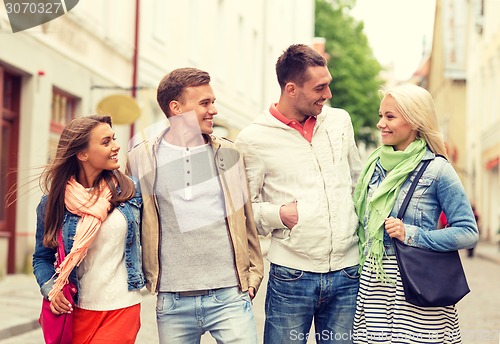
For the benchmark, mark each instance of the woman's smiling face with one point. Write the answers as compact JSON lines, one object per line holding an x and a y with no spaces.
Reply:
{"x":396,"y":131}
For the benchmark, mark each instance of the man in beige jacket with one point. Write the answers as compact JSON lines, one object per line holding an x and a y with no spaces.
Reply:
{"x":201,"y":251}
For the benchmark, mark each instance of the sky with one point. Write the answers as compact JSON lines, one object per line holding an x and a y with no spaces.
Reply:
{"x":396,"y":31}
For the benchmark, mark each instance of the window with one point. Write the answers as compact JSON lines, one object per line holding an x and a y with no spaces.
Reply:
{"x":63,"y":111}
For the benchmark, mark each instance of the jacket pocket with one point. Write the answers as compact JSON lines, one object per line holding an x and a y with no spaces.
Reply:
{"x":281,"y":233}
{"x":422,"y":186}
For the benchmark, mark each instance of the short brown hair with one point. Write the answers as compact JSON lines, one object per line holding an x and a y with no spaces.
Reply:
{"x":292,"y":64}
{"x":172,"y":85}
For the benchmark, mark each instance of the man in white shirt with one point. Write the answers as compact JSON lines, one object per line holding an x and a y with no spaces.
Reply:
{"x":302,"y":163}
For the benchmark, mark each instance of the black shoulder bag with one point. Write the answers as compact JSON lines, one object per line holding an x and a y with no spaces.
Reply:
{"x":430,"y":278}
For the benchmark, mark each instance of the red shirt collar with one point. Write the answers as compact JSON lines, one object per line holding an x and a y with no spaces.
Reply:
{"x":306,"y":131}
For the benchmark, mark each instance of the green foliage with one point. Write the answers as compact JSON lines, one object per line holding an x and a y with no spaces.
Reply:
{"x":354,"y":69}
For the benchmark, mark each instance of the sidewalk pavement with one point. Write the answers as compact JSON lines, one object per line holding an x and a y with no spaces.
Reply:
{"x":488,"y":251}
{"x":20,"y":299}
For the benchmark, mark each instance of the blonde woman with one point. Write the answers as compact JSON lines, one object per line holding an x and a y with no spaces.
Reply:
{"x":410,"y":135}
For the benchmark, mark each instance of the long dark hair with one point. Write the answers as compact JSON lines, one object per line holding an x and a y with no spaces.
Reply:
{"x":74,"y":139}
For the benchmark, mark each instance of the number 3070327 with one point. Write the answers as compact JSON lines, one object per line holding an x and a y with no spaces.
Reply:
{"x":34,"y":7}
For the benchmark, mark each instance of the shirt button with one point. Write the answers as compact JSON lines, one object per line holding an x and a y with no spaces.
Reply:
{"x":188,"y":172}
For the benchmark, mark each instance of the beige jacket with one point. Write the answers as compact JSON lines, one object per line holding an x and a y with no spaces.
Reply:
{"x":243,"y":233}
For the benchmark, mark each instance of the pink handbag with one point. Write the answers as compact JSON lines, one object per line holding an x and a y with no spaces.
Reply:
{"x":58,"y":328}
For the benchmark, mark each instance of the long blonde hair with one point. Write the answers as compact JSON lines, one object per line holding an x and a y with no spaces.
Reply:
{"x":417,"y":106}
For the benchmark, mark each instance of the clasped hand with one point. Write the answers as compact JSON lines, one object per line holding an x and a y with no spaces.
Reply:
{"x":59,"y":304}
{"x":395,"y":228}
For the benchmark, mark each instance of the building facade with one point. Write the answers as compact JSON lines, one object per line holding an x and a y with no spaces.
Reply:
{"x":464,"y":80}
{"x":447,"y":80}
{"x":483,"y":112}
{"x":64,"y":68}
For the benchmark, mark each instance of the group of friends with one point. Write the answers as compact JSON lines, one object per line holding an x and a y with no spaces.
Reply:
{"x":185,"y":216}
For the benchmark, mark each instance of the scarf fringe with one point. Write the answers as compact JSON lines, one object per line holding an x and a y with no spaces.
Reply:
{"x":374,"y":258}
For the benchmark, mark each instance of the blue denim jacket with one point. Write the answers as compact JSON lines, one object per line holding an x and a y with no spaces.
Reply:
{"x":439,"y":189}
{"x":44,"y":258}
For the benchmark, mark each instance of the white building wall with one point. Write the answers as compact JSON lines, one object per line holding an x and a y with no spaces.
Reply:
{"x":483,"y":112}
{"x":236,"y":41}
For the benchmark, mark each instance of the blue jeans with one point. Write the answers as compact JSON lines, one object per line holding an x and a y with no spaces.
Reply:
{"x":294,"y":298}
{"x":226,"y":313}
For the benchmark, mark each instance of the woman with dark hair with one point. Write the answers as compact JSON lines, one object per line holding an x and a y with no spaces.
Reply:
{"x":96,"y":209}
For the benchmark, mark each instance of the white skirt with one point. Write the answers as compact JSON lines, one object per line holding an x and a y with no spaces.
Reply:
{"x":383,"y":315}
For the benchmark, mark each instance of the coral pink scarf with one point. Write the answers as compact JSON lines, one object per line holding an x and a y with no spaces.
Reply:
{"x":82,"y":203}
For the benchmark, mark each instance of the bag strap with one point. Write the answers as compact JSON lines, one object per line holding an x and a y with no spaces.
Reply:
{"x":60,"y":249}
{"x":406,"y":201}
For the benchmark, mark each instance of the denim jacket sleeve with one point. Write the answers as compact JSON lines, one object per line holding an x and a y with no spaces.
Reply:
{"x":133,"y":257}
{"x":44,"y":258}
{"x":443,"y":191}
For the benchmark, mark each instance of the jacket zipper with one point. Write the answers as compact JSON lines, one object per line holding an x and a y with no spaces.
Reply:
{"x":327,"y":201}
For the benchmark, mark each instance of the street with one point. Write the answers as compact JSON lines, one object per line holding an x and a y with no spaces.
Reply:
{"x":478,"y":311}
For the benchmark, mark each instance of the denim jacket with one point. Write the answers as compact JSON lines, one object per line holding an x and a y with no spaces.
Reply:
{"x":439,"y":189}
{"x":44,"y":258}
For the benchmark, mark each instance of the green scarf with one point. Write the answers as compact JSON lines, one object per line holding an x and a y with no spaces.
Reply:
{"x":398,"y":164}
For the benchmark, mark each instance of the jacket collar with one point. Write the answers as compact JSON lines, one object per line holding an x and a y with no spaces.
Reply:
{"x":267,"y":119}
{"x":211,"y":139}
{"x":428,"y":154}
